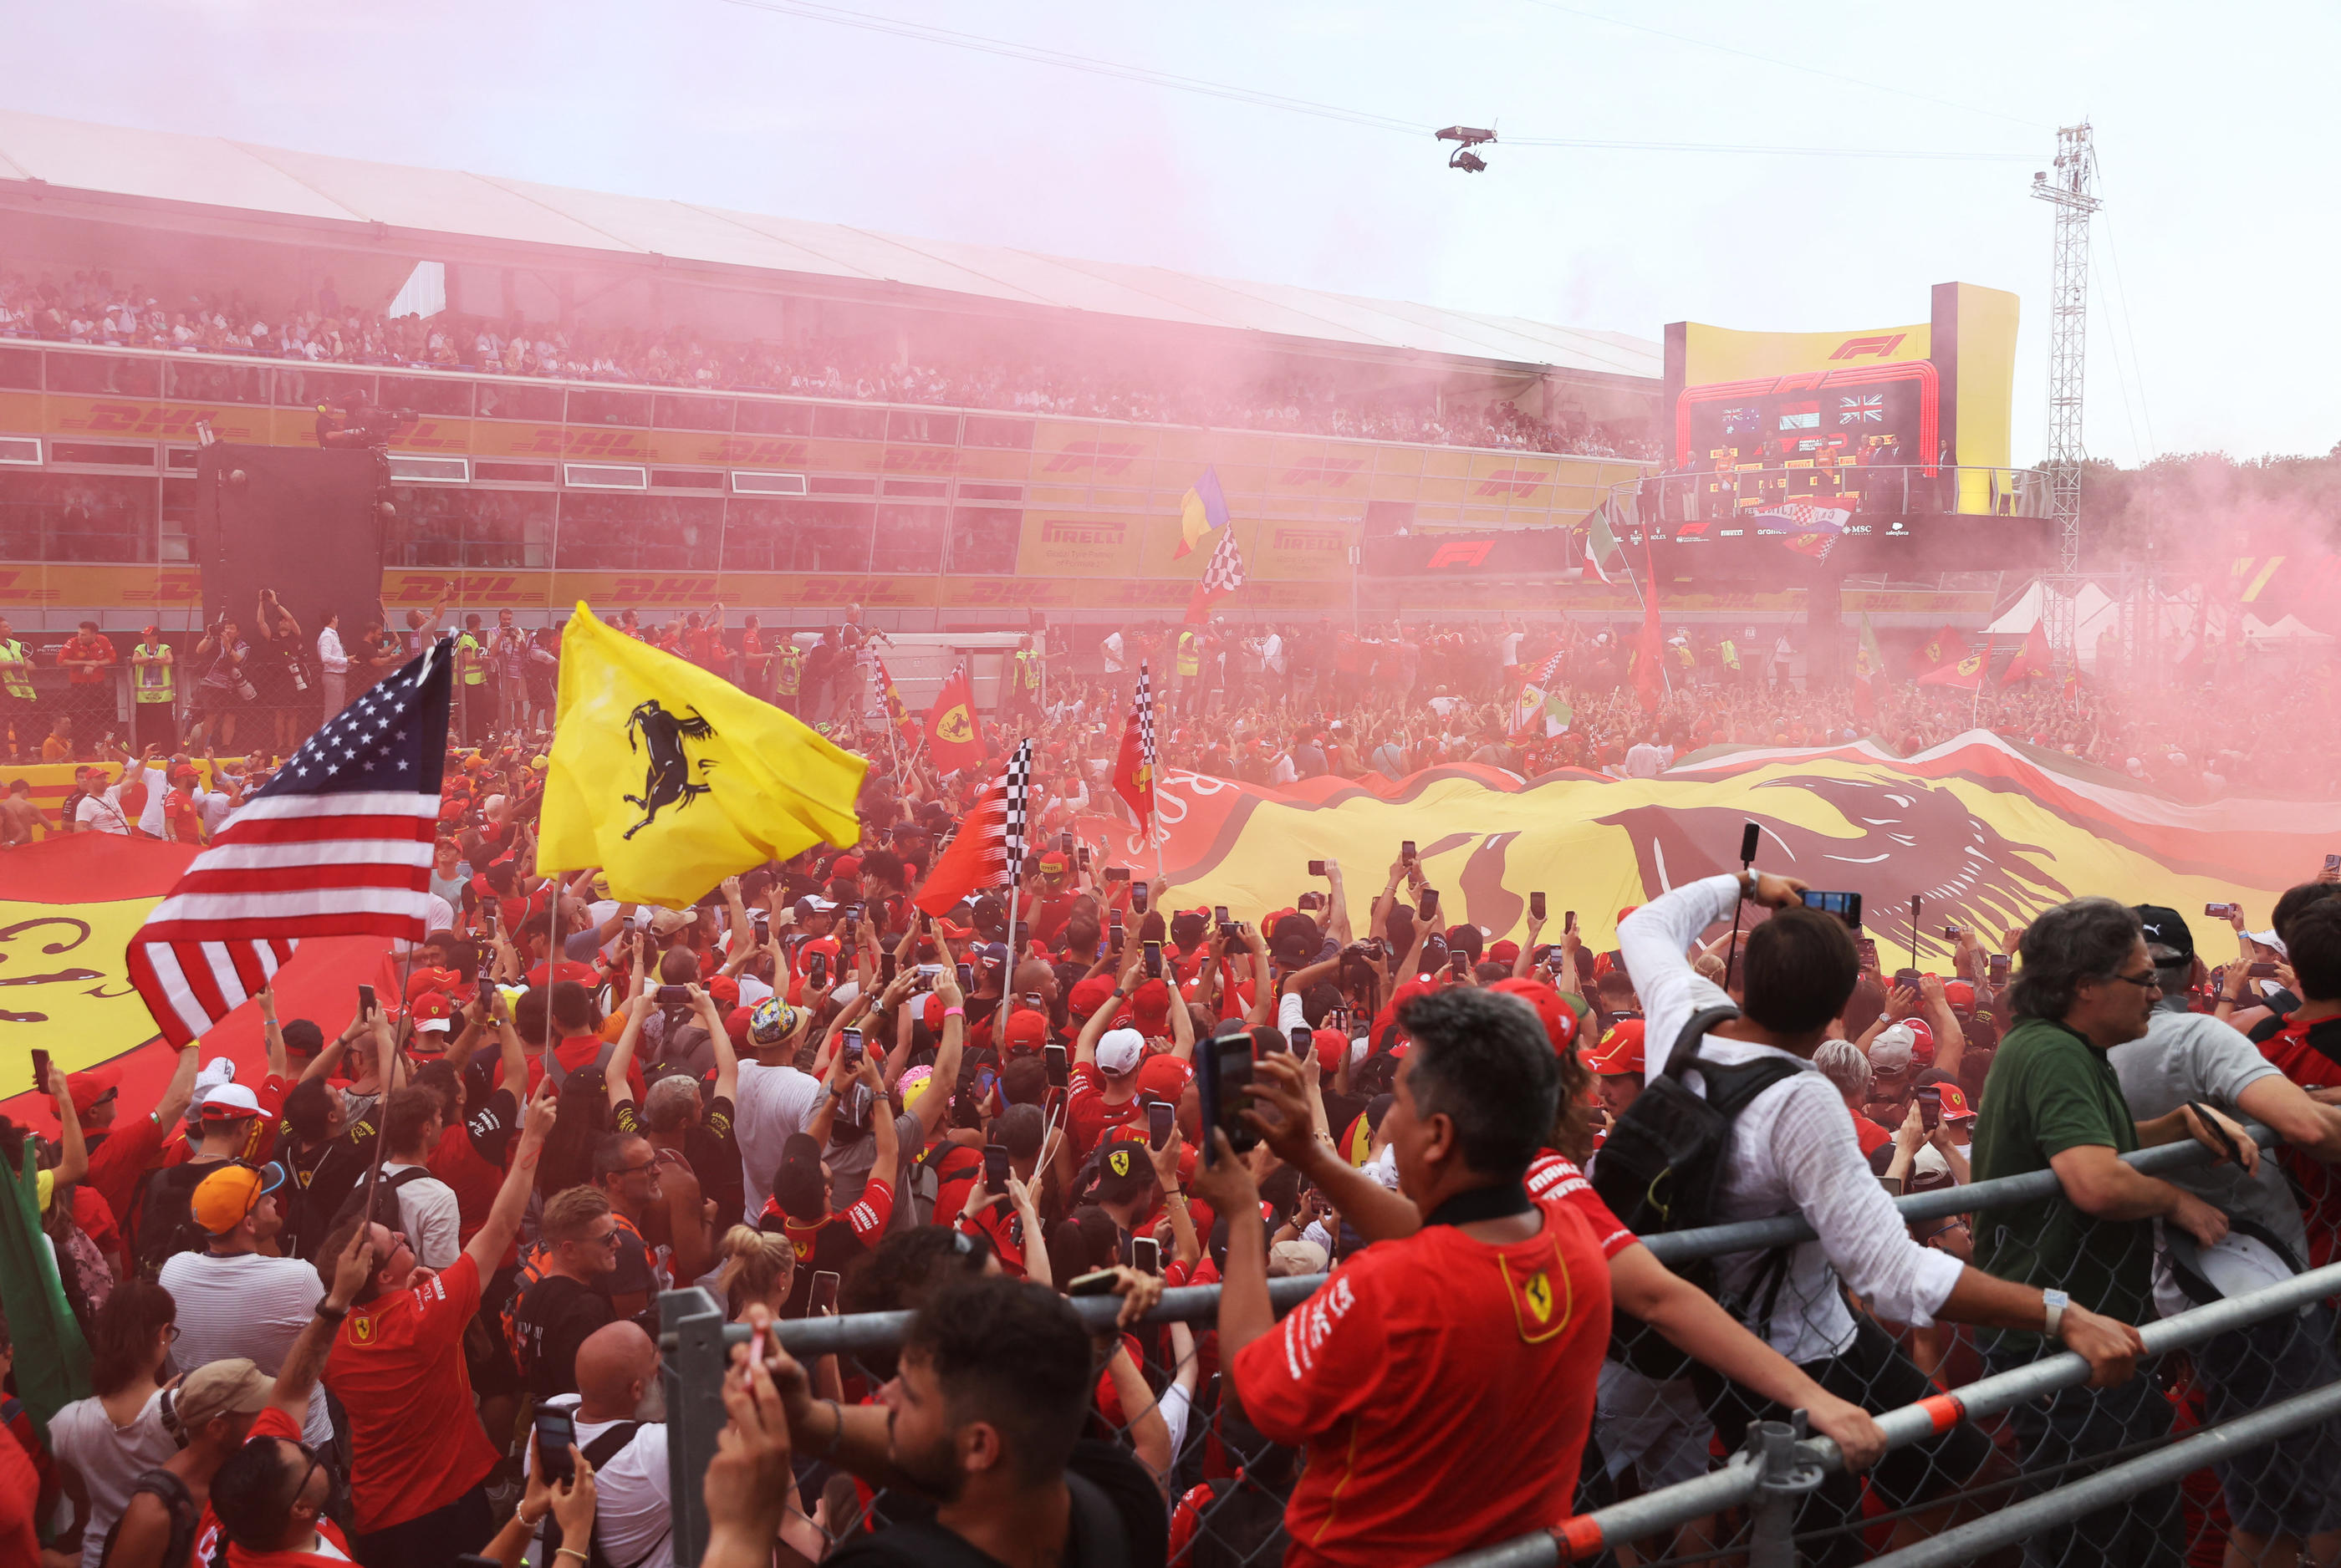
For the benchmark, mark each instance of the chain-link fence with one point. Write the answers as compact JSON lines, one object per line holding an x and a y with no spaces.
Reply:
{"x":2238,"y":1400}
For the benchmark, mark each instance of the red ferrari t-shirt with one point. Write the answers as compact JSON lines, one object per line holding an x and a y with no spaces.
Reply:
{"x":1087,"y":1117}
{"x":2310,"y":1056}
{"x":1554,"y":1177}
{"x":397,"y":1366}
{"x":1442,"y":1388}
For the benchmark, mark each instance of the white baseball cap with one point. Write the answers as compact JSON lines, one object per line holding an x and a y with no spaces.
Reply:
{"x":1119,"y":1051}
{"x":1893,"y":1049}
{"x":228,"y":1103}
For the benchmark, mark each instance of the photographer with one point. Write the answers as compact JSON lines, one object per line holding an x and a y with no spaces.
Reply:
{"x":224,"y":690}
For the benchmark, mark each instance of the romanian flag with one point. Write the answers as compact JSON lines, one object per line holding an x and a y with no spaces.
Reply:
{"x":1201,"y":509}
{"x":672,"y":778}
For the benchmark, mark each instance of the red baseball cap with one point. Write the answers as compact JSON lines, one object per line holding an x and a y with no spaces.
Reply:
{"x":431,"y":1011}
{"x":1164,"y":1075}
{"x":1955,"y":1104}
{"x":1959,"y":994}
{"x":1922,"y":1041}
{"x":1504,"y":952}
{"x":845,"y":866}
{"x":725,"y":990}
{"x":1620,"y":1050}
{"x":91,"y":1089}
{"x":1560,"y":1023}
{"x":1027,"y":1029}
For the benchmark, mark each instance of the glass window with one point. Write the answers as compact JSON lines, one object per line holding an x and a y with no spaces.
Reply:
{"x":776,"y":418}
{"x":693,"y":413}
{"x":989,"y":430}
{"x":448,"y":398}
{"x":76,"y":517}
{"x":196,"y":383}
{"x":299,"y":386}
{"x":798,"y":536}
{"x":910,"y":539}
{"x":596,"y":405}
{"x":20,"y":370}
{"x":850,"y":423}
{"x":935,"y":428}
{"x":983,"y":538}
{"x":601,"y":533}
{"x":105,"y":375}
{"x":446,"y":526}
{"x":180,"y":499}
{"x":509,"y":400}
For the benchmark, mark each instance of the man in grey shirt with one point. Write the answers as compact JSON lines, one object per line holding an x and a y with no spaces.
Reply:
{"x":2288,"y":1490}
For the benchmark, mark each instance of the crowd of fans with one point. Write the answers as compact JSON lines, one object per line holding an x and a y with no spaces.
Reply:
{"x":92,"y":307}
{"x":394,"y":1298}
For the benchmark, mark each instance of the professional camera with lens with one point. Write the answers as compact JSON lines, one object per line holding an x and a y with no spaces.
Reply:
{"x":352,"y":420}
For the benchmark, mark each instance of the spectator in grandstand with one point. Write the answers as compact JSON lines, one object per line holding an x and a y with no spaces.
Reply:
{"x":985,"y":1415}
{"x":2086,"y":985}
{"x":1791,"y":1149}
{"x":419,"y":1461}
{"x":2288,"y":1492}
{"x":1442,"y":1385}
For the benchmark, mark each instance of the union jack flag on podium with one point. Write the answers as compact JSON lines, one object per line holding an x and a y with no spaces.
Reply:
{"x":338,"y":844}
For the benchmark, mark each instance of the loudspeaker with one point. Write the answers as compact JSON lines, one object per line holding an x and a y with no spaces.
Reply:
{"x":308,"y":524}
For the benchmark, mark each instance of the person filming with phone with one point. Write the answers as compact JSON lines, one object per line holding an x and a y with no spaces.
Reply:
{"x":1442,"y":1383}
{"x":1789,"y":1149}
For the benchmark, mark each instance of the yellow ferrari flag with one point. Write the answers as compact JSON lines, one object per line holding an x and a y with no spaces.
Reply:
{"x":670,"y":779}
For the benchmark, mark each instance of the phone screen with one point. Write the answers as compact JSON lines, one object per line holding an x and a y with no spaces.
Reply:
{"x":365,"y":1001}
{"x":966,"y":976}
{"x":1153,"y":951}
{"x":886,"y":962}
{"x":1223,"y":1074}
{"x":1429,"y":905}
{"x":1536,"y":906}
{"x":823,"y":1297}
{"x":817,"y":969}
{"x":1060,"y":1074}
{"x":995,"y":1167}
{"x":1930,"y":1105}
{"x":1145,"y":1254}
{"x":556,"y":1432}
{"x":40,"y":1071}
{"x":850,"y":1047}
{"x":1161,"y":1116}
{"x":1138,"y":897}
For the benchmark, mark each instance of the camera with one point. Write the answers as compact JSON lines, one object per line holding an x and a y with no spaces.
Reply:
{"x":352,"y":422}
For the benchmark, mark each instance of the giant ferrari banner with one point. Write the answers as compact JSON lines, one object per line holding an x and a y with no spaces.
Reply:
{"x":68,"y":908}
{"x":1987,"y":834}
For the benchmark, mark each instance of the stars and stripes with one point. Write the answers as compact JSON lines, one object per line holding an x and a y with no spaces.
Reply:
{"x":338,"y":844}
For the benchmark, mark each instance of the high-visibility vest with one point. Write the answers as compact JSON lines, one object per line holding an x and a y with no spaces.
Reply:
{"x":154,"y":682}
{"x":16,"y":669}
{"x":1730,"y":655}
{"x":471,"y":661}
{"x":1028,"y":663}
{"x":786,"y":671}
{"x":1190,"y":655}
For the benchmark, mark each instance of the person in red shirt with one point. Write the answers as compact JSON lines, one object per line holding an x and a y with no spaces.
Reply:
{"x":2307,"y":1050}
{"x":419,"y":1460}
{"x":1440,"y":1384}
{"x":87,"y":654}
{"x":1103,"y":1090}
{"x":183,"y":816}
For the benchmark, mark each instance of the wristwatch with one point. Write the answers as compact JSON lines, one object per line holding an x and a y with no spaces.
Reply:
{"x":2053,"y":1304}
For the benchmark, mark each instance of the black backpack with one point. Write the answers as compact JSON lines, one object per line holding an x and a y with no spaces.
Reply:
{"x":167,"y":1223}
{"x":1661,"y":1169}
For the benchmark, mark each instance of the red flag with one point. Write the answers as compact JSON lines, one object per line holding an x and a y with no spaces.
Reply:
{"x":989,"y":846}
{"x":1964,"y":674}
{"x":952,"y":739}
{"x":1946,"y":647}
{"x":2031,"y":659}
{"x":1133,"y":769}
{"x":896,"y":713}
{"x":1649,"y":650}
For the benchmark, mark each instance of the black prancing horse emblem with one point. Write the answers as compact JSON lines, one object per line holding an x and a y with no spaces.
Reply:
{"x":668,"y":781}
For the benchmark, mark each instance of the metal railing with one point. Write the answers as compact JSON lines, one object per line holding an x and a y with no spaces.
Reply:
{"x":1756,"y":502}
{"x":1769,"y":1477}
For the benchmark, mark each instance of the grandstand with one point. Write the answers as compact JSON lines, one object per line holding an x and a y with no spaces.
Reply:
{"x":656,"y":403}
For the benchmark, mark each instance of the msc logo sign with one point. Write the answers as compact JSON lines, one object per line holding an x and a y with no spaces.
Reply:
{"x":1105,"y":456}
{"x":1513,"y":482}
{"x":1878,"y":345}
{"x":1460,"y":554}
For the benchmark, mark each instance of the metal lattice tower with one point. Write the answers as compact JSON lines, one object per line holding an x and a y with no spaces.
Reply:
{"x":2072,"y":190}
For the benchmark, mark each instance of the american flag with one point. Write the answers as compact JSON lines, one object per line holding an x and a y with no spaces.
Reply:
{"x":1224,"y":574}
{"x":338,"y":844}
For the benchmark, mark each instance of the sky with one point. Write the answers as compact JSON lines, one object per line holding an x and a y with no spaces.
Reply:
{"x":2208,"y":324}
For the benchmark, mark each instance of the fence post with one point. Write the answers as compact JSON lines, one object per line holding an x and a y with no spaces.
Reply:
{"x":1783,"y":1476}
{"x":690,"y":1367}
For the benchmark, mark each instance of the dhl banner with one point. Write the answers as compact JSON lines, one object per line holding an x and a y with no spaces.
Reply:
{"x":1990,"y":834}
{"x":68,"y":908}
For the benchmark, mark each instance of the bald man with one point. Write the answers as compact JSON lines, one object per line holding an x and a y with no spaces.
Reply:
{"x":620,"y":1408}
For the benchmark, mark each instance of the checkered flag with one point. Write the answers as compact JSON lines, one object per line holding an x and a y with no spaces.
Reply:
{"x":1015,"y":812}
{"x":1222,"y":577}
{"x":1133,"y":769}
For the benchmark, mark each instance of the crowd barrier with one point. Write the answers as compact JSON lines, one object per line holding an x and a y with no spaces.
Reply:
{"x":1758,"y":1505}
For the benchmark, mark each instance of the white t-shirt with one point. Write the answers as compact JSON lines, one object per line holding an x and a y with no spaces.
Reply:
{"x":108,"y":1458}
{"x":426,"y":1212}
{"x":631,"y":1515}
{"x":103,"y":813}
{"x":771,"y":1104}
{"x":245,"y":1304}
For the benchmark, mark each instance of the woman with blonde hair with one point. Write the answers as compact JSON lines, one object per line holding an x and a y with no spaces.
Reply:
{"x":755,"y":1267}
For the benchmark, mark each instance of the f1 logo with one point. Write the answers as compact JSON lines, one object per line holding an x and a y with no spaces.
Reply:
{"x":1464,"y":553}
{"x":1880,"y":345}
